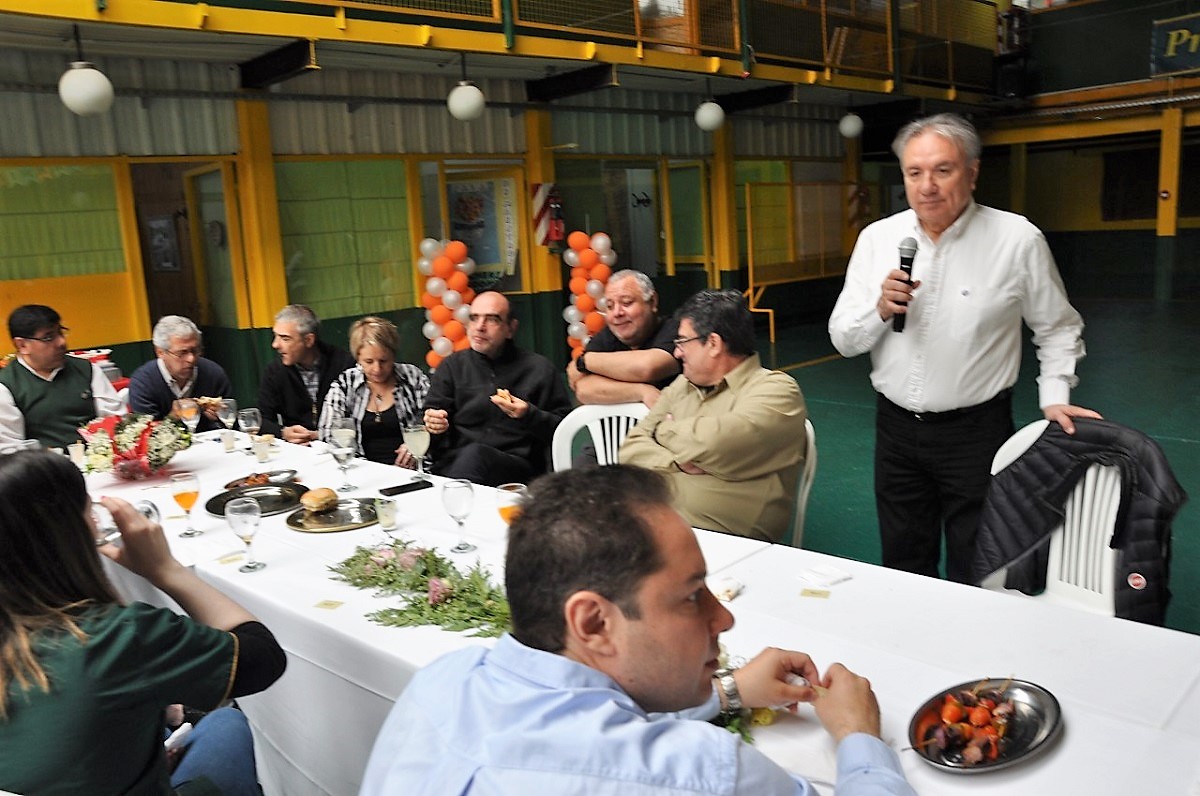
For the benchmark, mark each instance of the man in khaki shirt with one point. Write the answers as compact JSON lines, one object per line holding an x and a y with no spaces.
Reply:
{"x":730,"y":434}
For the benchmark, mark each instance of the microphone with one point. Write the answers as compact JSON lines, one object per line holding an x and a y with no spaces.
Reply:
{"x":908,"y":253}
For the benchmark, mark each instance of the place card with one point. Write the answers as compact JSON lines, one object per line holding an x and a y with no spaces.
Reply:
{"x":329,"y":605}
{"x":820,"y":594}
{"x":232,"y":558}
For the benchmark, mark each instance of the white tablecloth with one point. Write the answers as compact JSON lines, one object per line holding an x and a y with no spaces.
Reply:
{"x":1129,"y":692}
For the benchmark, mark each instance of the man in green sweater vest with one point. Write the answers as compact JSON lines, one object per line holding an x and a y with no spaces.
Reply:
{"x":45,"y":394}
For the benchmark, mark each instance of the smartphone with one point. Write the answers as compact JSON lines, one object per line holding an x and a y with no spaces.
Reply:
{"x":411,"y":486}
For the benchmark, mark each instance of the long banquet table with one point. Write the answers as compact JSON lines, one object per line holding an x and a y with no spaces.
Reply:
{"x":1130,"y":693}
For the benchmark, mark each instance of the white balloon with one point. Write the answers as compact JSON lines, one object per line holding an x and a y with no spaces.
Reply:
{"x":609,"y":258}
{"x":452,"y":299}
{"x":595,"y":288}
{"x":425,"y":265}
{"x":463,"y":314}
{"x":431,"y":248}
{"x":601,"y":243}
{"x":573,"y":298}
{"x":431,"y":330}
{"x":587,"y":339}
{"x":572,"y":315}
{"x":435,"y":285}
{"x":443,"y":347}
{"x":467,"y":266}
{"x":577,"y":330}
{"x":571,"y":257}
{"x":429,"y":315}
{"x":602,"y":304}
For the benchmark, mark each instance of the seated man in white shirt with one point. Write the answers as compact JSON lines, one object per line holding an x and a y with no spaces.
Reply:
{"x":45,"y":394}
{"x":614,"y":630}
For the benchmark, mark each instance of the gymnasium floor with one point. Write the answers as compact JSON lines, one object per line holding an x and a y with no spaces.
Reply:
{"x":1142,"y":370}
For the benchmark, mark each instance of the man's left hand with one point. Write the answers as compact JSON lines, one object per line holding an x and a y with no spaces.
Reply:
{"x":1062,"y":414}
{"x":763,"y":682}
{"x":511,"y":405}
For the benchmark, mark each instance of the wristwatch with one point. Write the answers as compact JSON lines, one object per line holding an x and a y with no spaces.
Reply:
{"x":579,"y":364}
{"x":729,"y":689}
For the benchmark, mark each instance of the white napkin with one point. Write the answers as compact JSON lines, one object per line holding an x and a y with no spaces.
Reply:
{"x":726,"y":588}
{"x":824,"y":575}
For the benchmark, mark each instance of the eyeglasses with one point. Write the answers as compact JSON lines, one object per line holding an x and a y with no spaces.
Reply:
{"x":681,"y":341}
{"x":491,"y":319}
{"x":51,"y":337}
{"x":185,"y":353}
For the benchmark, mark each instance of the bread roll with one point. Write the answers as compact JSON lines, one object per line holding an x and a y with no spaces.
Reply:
{"x":319,"y":500}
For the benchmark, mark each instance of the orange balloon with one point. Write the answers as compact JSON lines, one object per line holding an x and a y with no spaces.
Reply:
{"x":464,"y":342}
{"x":454,"y":329}
{"x":432,"y":359}
{"x":579,"y":240}
{"x":588,"y":258}
{"x":429,"y":301}
{"x":574,"y":342}
{"x":579,"y":272}
{"x":594,"y":322}
{"x":443,"y":266}
{"x":456,"y":250}
{"x":600,"y":271}
{"x":578,"y":286}
{"x":457,"y":281}
{"x":576,"y":351}
{"x":585,"y":303}
{"x":440,"y":314}
{"x":468,"y":295}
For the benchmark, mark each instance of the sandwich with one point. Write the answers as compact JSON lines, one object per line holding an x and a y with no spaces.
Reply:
{"x":318,"y":501}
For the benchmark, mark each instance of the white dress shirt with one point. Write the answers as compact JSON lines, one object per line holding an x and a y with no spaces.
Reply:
{"x":12,"y":422}
{"x":962,"y":341}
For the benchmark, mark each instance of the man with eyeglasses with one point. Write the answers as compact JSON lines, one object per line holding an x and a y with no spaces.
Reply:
{"x":45,"y":394}
{"x":492,"y":408}
{"x":179,"y":370}
{"x":730,"y":434}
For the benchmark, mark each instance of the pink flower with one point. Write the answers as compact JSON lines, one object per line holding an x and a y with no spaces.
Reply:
{"x":383,"y":555}
{"x":439,"y":591}
{"x":410,"y":558}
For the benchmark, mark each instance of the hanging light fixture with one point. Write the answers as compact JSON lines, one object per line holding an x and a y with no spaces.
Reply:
{"x":83,"y":88}
{"x":465,"y":101}
{"x":850,"y":125}
{"x":709,"y":115}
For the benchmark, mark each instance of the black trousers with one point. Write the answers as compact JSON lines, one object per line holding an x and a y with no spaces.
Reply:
{"x":931,"y":475}
{"x":483,"y":464}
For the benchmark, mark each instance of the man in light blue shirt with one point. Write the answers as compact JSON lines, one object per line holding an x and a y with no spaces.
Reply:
{"x":614,"y":634}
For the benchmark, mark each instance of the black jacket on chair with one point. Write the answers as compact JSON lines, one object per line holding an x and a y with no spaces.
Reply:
{"x":1025,"y":503}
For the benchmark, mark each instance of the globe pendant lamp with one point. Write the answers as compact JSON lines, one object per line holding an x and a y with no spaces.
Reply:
{"x":709,"y":116}
{"x":83,"y":88}
{"x":850,"y":125}
{"x":465,"y":101}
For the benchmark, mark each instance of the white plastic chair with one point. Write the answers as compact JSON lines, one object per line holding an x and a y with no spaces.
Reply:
{"x":607,"y":423}
{"x":1081,"y":565}
{"x":804,"y":484}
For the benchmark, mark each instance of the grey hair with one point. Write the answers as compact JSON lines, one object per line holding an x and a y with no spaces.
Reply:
{"x":302,"y":316}
{"x":169,"y":326}
{"x":948,"y":125}
{"x":642,"y":280}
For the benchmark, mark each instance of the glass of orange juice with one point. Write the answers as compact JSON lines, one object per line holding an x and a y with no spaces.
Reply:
{"x":508,"y":500}
{"x":185,"y":488}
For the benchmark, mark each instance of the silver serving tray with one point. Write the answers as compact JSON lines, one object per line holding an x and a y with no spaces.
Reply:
{"x":350,"y":513}
{"x":272,"y":498}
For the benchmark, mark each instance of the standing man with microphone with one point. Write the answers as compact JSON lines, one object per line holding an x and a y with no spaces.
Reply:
{"x":944,"y":336}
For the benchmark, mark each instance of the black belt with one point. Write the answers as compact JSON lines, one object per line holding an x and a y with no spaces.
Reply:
{"x":1002,"y":397}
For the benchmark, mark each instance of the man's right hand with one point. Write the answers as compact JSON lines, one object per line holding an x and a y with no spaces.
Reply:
{"x":848,"y":704}
{"x":895,"y":293}
{"x":437,"y":421}
{"x":298,"y":435}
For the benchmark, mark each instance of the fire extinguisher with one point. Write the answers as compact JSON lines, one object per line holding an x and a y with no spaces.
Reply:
{"x":558,"y":227}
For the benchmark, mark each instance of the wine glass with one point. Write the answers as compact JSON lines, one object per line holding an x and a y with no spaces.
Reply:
{"x":458,"y":498}
{"x":243,"y":514}
{"x":508,"y":501}
{"x":227,"y":413}
{"x":416,"y":438}
{"x":188,"y":411}
{"x":343,"y":450}
{"x":344,"y":433}
{"x":185,"y":488}
{"x":251,"y":421}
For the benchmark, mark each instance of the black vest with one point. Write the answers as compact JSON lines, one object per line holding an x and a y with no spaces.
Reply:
{"x":53,"y":410}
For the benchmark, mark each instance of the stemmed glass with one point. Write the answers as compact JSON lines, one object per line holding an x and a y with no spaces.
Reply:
{"x":251,"y":421}
{"x":185,"y":488}
{"x":188,"y":411}
{"x":227,"y":413}
{"x":458,"y":498}
{"x":416,"y":439}
{"x":343,"y":449}
{"x":508,"y":501}
{"x":243,"y":514}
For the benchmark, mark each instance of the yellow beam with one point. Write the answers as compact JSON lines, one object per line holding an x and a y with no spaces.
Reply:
{"x":1170,"y":155}
{"x":259,"y":203}
{"x":131,"y":242}
{"x":544,"y":271}
{"x":724,"y":204}
{"x":1069,"y":130}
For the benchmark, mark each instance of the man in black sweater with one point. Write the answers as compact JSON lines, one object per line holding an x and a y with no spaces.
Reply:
{"x":492,"y":408}
{"x":293,"y":387}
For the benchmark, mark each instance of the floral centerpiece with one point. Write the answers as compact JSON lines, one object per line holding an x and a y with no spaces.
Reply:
{"x":133,"y":446}
{"x":438,"y":594}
